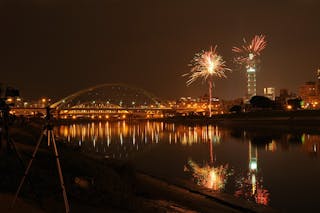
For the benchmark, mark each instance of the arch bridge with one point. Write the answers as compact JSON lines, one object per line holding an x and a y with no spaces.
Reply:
{"x":110,"y":101}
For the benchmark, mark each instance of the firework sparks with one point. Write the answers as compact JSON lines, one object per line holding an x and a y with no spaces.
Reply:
{"x":248,"y":51}
{"x":208,"y":176}
{"x":206,"y":64}
{"x":252,"y":189}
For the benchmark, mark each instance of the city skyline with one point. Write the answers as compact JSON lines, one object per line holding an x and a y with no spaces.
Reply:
{"x":56,"y":48}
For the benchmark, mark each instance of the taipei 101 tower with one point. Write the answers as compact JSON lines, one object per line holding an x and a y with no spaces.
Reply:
{"x":248,"y":57}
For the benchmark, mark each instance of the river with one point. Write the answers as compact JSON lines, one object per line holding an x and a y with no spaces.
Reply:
{"x":274,"y":166}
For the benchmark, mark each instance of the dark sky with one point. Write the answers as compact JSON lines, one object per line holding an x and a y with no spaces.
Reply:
{"x":54,"y":48}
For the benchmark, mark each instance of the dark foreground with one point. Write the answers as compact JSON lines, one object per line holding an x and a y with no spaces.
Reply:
{"x":96,"y":184}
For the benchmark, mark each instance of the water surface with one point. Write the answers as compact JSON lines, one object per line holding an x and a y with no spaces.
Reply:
{"x":277,"y":166}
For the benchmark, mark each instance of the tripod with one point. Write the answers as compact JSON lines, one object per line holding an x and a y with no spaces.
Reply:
{"x":47,"y":130}
{"x":7,"y":143}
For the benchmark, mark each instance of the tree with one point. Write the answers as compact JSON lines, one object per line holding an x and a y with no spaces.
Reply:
{"x":235,"y":109}
{"x":261,"y":102}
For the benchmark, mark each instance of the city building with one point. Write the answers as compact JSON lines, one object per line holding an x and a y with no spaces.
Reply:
{"x":251,"y":82}
{"x":281,"y":101}
{"x":309,"y":96}
{"x":199,"y":106}
{"x":270,"y":93}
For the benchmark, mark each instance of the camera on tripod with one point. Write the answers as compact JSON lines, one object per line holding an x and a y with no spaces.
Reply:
{"x":9,"y":92}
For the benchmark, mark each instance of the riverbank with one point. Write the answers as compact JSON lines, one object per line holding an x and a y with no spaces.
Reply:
{"x":95,"y":183}
{"x":267,"y":117}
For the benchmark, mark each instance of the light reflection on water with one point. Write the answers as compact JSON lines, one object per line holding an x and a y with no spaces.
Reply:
{"x":242,"y":162}
{"x":98,"y":137}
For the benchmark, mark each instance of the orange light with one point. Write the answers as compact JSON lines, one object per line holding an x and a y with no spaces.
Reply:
{"x":289,"y":107}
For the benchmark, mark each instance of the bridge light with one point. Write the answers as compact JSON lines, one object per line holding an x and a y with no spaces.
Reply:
{"x":107,"y":116}
{"x":92,"y":116}
{"x":74,"y":117}
{"x":123,"y":116}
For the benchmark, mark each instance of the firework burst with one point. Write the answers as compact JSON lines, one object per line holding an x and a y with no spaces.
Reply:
{"x":208,"y":176}
{"x":248,"y":51}
{"x":206,"y":64}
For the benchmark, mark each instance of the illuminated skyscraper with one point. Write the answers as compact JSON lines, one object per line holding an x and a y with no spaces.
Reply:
{"x":251,"y":77}
{"x":248,"y":55}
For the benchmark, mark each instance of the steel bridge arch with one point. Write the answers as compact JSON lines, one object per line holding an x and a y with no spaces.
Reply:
{"x":61,"y":104}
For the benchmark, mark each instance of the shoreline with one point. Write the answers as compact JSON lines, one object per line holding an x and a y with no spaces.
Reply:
{"x":301,"y":118}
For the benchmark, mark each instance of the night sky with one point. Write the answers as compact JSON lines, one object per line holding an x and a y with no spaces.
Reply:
{"x":54,"y":48}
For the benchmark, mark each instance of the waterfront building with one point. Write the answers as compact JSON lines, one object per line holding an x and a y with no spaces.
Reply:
{"x":309,"y":96}
{"x":270,"y":93}
{"x":198,"y":106}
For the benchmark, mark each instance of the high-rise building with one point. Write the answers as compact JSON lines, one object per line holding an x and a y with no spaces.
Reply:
{"x":307,"y":89}
{"x":251,"y":81}
{"x":308,"y":94}
{"x":270,"y":93}
{"x":251,"y":78}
